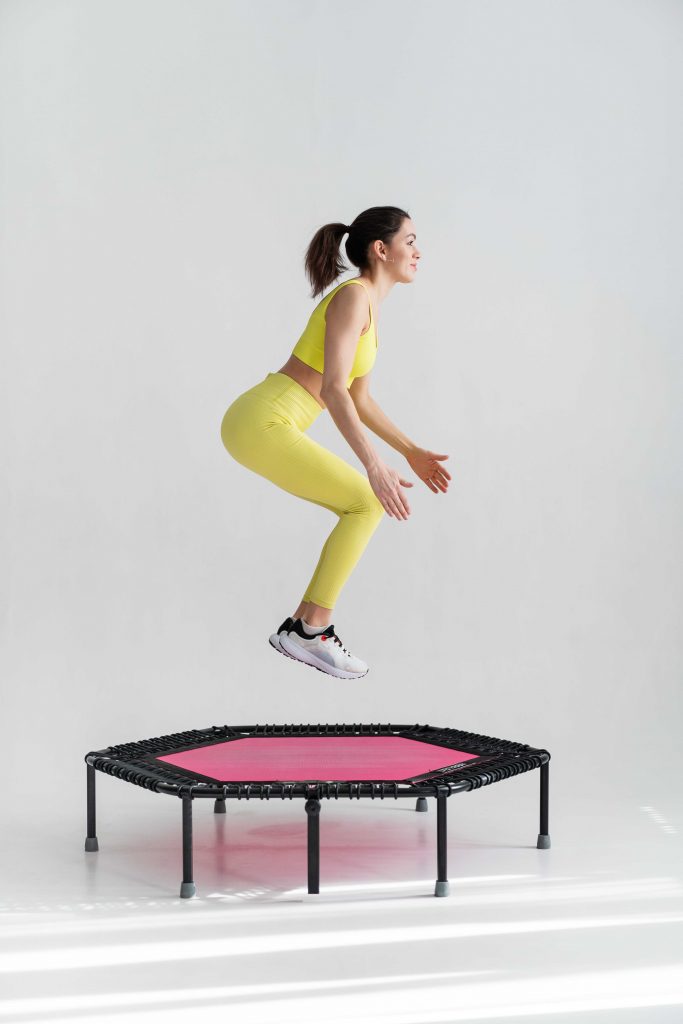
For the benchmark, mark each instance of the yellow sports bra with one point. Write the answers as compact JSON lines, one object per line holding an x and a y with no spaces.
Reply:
{"x":310,"y":348}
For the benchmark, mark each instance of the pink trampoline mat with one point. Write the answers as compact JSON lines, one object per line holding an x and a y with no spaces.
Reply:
{"x":316,"y":758}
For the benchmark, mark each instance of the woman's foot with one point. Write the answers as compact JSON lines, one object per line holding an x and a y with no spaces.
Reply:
{"x":323,"y":650}
{"x":274,"y":638}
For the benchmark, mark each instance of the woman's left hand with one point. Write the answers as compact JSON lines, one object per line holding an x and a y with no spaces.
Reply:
{"x":425,"y":465}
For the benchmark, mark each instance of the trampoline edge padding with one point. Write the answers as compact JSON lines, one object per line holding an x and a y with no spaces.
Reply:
{"x":488,"y":760}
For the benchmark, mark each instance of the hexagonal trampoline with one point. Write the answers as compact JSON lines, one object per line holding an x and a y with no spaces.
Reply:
{"x":316,"y":762}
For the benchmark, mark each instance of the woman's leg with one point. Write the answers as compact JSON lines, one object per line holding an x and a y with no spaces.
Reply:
{"x":285,"y":455}
{"x":314,"y":614}
{"x":318,"y":475}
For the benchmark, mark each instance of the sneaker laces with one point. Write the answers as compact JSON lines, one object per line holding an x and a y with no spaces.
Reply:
{"x":333,"y":636}
{"x":338,"y":641}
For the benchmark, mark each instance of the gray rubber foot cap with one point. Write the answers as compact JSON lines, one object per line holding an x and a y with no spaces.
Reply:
{"x":187,"y":889}
{"x":91,"y":844}
{"x":421,"y":804}
{"x":442,"y":889}
{"x":543,"y":842}
{"x":219,"y":807}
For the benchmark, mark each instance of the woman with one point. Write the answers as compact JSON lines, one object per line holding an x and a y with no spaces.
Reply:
{"x":265,"y":428}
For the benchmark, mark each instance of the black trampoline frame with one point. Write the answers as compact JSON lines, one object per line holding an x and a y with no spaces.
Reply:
{"x":496,"y":759}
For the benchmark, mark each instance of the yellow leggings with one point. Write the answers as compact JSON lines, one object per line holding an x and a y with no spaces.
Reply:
{"x":264,"y":430}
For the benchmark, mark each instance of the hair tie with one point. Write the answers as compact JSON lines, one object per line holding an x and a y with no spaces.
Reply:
{"x":348,"y":229}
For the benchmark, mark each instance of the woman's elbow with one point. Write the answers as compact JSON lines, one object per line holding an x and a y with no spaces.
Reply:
{"x":332,"y":390}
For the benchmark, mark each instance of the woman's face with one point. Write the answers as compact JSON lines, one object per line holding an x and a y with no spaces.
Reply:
{"x":403,"y":251}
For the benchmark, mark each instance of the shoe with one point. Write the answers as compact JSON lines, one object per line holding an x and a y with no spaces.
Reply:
{"x":323,"y":651}
{"x":274,"y":638}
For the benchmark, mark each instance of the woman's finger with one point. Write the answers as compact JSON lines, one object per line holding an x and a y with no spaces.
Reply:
{"x":397,"y":508}
{"x":404,"y":503}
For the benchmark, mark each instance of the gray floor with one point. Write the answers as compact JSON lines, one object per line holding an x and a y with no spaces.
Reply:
{"x":591,"y":930}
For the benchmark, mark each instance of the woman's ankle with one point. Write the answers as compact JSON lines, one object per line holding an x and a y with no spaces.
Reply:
{"x":321,"y":618}
{"x":313,"y":628}
{"x":313,"y":615}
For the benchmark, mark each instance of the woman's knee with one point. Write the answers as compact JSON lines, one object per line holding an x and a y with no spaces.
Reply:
{"x":378,"y":509}
{"x":366,"y":504}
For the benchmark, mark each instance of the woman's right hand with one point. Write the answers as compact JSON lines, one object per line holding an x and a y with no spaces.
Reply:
{"x":386,"y":483}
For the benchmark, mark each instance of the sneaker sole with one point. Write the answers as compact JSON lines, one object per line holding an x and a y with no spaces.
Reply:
{"x":278,"y":647}
{"x":307,"y":658}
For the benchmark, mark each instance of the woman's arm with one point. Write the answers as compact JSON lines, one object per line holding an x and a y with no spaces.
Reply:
{"x":342,"y":410}
{"x":376,"y":420}
{"x":385,"y":482}
{"x":425,"y":463}
{"x":344,"y":320}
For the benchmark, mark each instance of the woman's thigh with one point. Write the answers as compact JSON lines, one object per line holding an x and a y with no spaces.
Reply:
{"x":282,"y":453}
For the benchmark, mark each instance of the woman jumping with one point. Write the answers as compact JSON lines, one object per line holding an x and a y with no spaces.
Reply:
{"x":265,"y":427}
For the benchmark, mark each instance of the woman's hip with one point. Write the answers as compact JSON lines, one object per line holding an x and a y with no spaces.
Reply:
{"x":277,"y":401}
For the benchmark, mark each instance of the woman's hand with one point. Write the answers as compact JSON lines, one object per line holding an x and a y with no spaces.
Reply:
{"x":425,"y":465}
{"x":386,"y":482}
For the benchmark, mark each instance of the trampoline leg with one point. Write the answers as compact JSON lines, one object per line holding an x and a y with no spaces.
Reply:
{"x":313,"y":812}
{"x":187,"y":889}
{"x":91,"y":844}
{"x":543,"y":841}
{"x":442,"y":887}
{"x":219,"y":806}
{"x":421,"y":804}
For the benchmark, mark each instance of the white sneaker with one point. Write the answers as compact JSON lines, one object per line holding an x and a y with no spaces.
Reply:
{"x":274,"y":638}
{"x":323,"y":651}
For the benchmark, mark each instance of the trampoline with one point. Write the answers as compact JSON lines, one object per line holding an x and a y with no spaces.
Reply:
{"x":316,"y":763}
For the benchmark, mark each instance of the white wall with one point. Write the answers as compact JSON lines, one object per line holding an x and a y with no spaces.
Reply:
{"x":164,"y":167}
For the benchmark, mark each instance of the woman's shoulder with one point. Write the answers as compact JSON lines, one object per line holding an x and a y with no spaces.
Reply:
{"x":348,"y":302}
{"x":350,"y":297}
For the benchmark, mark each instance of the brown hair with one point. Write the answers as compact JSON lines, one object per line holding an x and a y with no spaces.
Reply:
{"x":323,"y":262}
